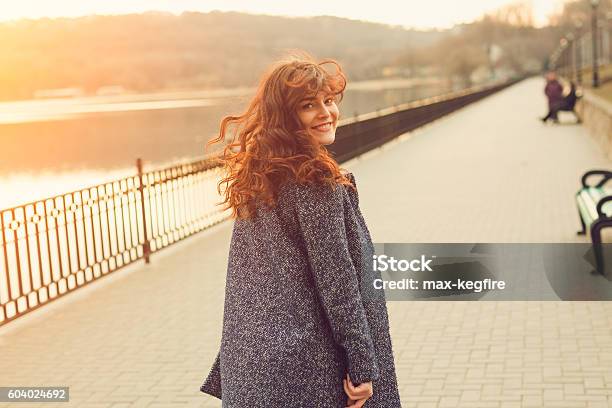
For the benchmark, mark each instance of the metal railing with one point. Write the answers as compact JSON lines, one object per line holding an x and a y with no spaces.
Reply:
{"x":51,"y":247}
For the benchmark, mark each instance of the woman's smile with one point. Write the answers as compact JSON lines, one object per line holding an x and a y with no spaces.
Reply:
{"x":324,"y":127}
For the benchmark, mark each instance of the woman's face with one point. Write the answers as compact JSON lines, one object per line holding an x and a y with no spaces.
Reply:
{"x":319,"y":116}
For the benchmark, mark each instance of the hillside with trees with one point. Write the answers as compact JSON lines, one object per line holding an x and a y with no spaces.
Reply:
{"x":161,"y":51}
{"x":157,"y":51}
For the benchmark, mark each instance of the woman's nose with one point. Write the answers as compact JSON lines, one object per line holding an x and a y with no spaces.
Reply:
{"x":324,"y":111}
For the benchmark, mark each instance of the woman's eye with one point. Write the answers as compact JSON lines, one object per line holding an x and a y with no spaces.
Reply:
{"x":330,"y":100}
{"x":307,"y":106}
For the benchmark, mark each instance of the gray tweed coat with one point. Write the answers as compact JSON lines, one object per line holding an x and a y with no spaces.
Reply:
{"x":295,"y":318}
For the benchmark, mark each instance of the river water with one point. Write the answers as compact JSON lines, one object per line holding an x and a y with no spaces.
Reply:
{"x":50,"y":147}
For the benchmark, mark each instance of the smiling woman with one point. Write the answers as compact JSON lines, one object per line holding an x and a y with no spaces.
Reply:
{"x":297,"y":331}
{"x":283,"y":133}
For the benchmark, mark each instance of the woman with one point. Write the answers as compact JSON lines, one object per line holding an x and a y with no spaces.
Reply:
{"x":302,"y":326}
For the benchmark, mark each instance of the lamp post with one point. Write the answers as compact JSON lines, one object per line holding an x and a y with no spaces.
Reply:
{"x":578,"y":51}
{"x":571,"y":55}
{"x":609,"y":24}
{"x":594,"y":4}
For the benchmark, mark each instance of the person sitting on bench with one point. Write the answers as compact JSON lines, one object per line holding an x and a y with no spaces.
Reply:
{"x":566,"y":103}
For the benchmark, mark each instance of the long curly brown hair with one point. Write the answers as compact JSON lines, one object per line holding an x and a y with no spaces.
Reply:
{"x":269,"y":146}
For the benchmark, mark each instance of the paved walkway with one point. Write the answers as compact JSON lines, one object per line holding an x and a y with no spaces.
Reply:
{"x":491,"y":172}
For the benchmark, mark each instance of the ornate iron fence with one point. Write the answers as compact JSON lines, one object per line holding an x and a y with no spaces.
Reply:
{"x":56,"y":245}
{"x":53,"y":246}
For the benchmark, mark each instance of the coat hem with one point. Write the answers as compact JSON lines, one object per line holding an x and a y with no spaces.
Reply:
{"x":210,"y":391}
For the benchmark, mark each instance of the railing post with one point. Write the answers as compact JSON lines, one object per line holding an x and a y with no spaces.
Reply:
{"x":594,"y":39}
{"x":146,"y":246}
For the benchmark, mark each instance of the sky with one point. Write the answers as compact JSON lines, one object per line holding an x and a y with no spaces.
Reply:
{"x":419,"y":14}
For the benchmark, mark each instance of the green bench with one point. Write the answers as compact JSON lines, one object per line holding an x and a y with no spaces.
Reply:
{"x":595,"y":210}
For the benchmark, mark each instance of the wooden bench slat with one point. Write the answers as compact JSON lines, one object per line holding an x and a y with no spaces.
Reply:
{"x":584,"y":212}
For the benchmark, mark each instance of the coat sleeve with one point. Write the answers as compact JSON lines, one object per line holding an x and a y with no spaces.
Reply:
{"x":320,"y":213}
{"x":212,"y":385}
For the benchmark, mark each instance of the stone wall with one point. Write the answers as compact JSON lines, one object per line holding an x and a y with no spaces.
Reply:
{"x":596,"y":113}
